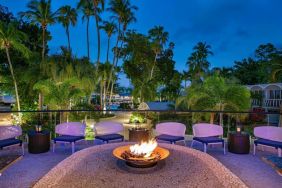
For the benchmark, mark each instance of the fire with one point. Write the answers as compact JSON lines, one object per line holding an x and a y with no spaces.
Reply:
{"x":144,"y":149}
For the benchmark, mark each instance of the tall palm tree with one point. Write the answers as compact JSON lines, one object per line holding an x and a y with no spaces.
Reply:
{"x":159,"y":37}
{"x":40,"y":12}
{"x":87,"y":8}
{"x":109,"y":28}
{"x":11,"y":37}
{"x":122,"y":11}
{"x":198,"y":62}
{"x":98,"y":7}
{"x":67,"y":16}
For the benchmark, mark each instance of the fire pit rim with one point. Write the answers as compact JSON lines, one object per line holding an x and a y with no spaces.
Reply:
{"x":117,"y":152}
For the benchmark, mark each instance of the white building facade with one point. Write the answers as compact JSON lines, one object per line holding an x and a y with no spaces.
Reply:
{"x":271,"y":96}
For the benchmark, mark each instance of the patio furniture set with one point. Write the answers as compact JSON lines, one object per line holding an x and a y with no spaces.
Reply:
{"x":172,"y":132}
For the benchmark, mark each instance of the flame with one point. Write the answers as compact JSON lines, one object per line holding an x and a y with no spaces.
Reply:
{"x":145,"y":148}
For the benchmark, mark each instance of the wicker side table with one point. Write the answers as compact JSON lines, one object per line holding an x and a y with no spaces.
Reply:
{"x":38,"y":142}
{"x":139,"y":134}
{"x":239,"y":143}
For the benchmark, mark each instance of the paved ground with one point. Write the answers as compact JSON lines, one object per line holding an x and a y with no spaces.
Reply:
{"x":24,"y":173}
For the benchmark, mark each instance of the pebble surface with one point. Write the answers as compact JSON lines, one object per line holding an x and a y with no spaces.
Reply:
{"x":97,"y":167}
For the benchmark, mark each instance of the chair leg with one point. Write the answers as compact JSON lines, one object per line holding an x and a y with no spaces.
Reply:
{"x":184,"y":143}
{"x":54,"y":144}
{"x":254,"y":153}
{"x":205,"y":148}
{"x":224,"y":148}
{"x":279,"y":152}
{"x":192,"y":144}
{"x":72,"y":147}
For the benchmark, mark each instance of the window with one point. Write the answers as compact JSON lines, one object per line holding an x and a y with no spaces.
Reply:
{"x":277,"y":94}
{"x":271,"y":94}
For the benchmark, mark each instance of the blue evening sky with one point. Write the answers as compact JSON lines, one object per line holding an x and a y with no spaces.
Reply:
{"x":234,"y":28}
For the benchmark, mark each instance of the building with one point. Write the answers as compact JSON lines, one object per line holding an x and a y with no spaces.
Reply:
{"x":267,"y":96}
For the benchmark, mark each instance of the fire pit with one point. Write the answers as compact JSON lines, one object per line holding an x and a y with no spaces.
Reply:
{"x":143,"y":155}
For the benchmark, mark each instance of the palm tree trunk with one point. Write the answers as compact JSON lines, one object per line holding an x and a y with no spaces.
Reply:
{"x":40,"y":97}
{"x":98,"y":39}
{"x":101,"y":95}
{"x":87,"y":36}
{"x":43,"y":42}
{"x":111,"y":92}
{"x":115,"y":65}
{"x":108,"y":48}
{"x":68,"y":35}
{"x":114,"y":59}
{"x":104,"y":96}
{"x":14,"y":79}
{"x":152,"y":71}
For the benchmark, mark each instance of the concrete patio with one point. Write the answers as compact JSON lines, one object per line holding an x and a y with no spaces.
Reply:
{"x":27,"y":171}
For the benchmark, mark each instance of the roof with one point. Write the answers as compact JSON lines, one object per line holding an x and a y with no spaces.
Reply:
{"x":263,"y":86}
{"x":156,"y":106}
{"x":125,"y":94}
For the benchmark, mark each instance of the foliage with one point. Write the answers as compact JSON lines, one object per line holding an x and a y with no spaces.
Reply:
{"x":197,"y":62}
{"x":137,"y":118}
{"x":140,"y":58}
{"x":219,"y":94}
{"x":67,"y":16}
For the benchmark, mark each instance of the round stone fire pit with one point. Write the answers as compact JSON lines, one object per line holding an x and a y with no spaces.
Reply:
{"x":97,"y":167}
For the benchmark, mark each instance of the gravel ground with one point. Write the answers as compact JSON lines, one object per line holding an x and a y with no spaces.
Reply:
{"x":26,"y":172}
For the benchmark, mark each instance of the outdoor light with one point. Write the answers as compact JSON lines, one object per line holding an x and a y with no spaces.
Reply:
{"x":238,"y":129}
{"x":38,"y":128}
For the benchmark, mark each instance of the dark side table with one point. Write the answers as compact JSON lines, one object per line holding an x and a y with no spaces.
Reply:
{"x":239,"y":143}
{"x":38,"y":142}
{"x":139,"y":134}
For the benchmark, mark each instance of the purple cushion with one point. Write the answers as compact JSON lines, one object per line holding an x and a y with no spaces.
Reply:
{"x":210,"y":139}
{"x":268,"y":143}
{"x":169,"y":138}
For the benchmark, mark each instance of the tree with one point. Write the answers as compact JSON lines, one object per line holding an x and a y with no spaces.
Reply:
{"x":67,"y":16}
{"x":87,"y":8}
{"x":249,"y":71}
{"x":186,"y":76}
{"x":40,"y":12}
{"x":98,"y":7}
{"x":159,"y":37}
{"x":10,"y":37}
{"x":104,"y":71}
{"x":109,"y":28}
{"x":218,"y":94}
{"x":123,"y":13}
{"x":276,"y":64}
{"x":59,"y":94}
{"x":137,"y":65}
{"x":198,"y":62}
